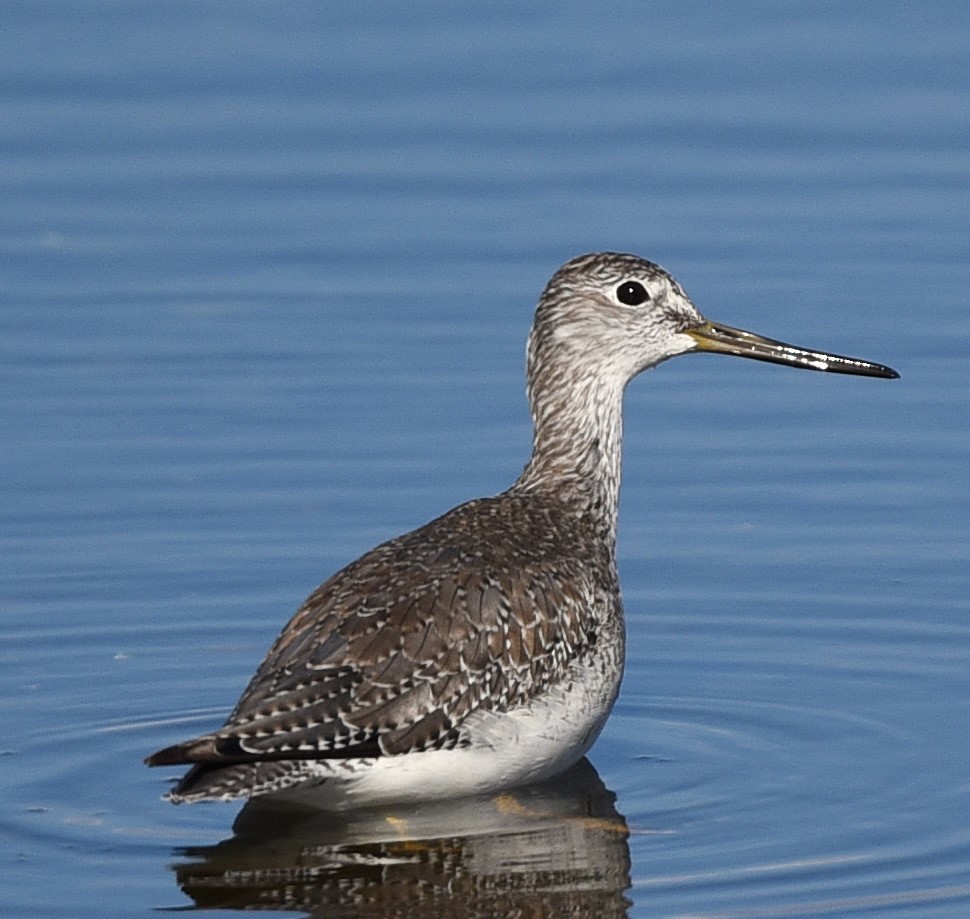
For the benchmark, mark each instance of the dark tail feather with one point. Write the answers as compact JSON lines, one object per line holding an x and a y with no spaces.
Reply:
{"x":198,"y":750}
{"x":213,"y":750}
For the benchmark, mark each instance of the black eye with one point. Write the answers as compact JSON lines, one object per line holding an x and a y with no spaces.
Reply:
{"x":632,"y":293}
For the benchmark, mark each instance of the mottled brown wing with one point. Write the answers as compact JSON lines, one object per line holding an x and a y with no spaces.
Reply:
{"x":406,"y":673}
{"x":475,"y":610}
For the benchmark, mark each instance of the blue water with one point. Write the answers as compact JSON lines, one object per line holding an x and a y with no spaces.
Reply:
{"x":266,"y":273}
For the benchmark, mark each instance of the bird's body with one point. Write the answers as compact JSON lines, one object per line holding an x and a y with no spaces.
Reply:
{"x":485,"y":649}
{"x":427,"y":644}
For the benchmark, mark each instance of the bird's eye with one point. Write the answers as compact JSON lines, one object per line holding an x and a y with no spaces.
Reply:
{"x":632,"y":293}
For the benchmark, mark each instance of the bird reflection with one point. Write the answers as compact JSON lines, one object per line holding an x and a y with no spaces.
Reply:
{"x":555,"y":849}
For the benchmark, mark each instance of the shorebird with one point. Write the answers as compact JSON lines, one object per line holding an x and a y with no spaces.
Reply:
{"x":483,"y":650}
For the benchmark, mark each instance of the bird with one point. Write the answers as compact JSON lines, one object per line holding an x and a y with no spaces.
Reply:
{"x":484,"y":650}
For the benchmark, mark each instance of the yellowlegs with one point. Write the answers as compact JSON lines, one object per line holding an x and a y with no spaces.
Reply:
{"x":483,"y":650}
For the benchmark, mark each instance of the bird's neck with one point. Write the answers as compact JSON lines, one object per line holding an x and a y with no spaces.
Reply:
{"x":576,"y":449}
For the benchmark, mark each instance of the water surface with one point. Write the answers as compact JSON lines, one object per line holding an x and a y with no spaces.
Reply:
{"x":267,"y":273}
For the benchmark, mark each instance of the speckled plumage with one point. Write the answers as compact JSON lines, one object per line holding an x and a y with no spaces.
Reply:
{"x":484,"y":649}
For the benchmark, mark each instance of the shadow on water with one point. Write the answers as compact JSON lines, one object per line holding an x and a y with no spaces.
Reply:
{"x":555,"y":849}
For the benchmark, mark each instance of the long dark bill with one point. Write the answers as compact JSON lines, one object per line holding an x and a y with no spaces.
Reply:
{"x":722,"y":339}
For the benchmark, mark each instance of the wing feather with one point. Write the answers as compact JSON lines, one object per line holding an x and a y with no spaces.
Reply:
{"x":479,"y":609}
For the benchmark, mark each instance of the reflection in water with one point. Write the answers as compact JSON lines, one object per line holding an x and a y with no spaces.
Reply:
{"x":556,"y":849}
